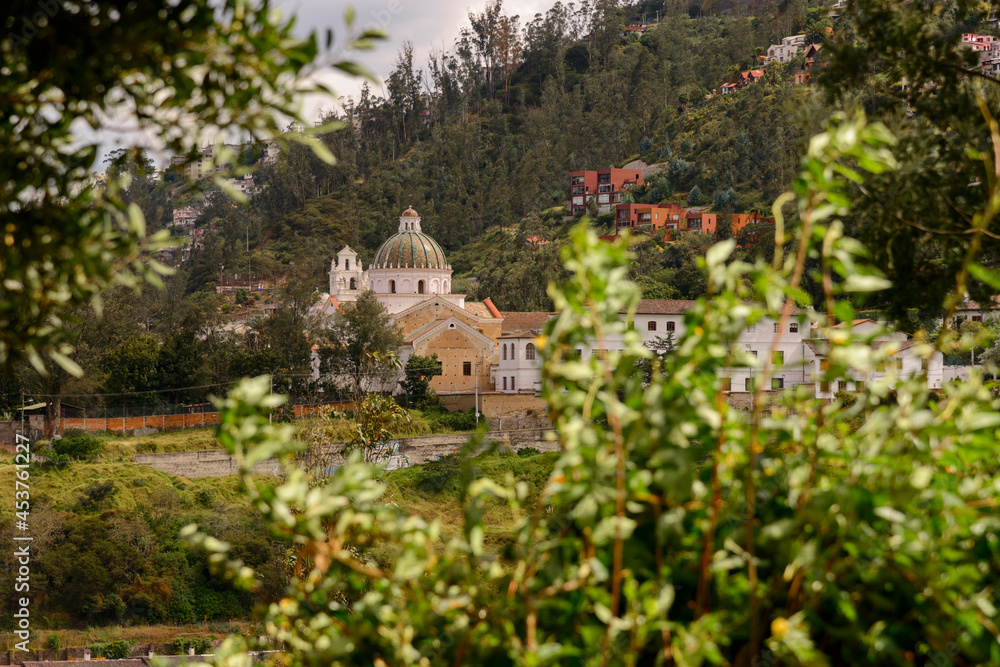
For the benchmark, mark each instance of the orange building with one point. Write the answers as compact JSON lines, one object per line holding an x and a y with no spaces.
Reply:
{"x":605,"y":186}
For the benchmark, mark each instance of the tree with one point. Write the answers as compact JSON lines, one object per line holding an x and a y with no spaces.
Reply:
{"x":419,"y":370}
{"x":924,"y":219}
{"x":694,"y":196}
{"x":361,"y":340}
{"x":645,"y":146}
{"x":67,"y":240}
{"x":130,"y":370}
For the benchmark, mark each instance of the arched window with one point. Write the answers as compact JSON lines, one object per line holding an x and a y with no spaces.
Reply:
{"x":505,"y":383}
{"x":505,"y":355}
{"x":392,"y":286}
{"x":529,"y":351}
{"x":512,"y":388}
{"x":420,"y":287}
{"x":354,"y":284}
{"x":513,"y":351}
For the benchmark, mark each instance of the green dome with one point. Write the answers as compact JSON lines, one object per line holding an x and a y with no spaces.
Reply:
{"x":410,"y":250}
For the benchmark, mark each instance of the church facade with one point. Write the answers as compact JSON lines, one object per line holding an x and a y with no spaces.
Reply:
{"x":412,"y":279}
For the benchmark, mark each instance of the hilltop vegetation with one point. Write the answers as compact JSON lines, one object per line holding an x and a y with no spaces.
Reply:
{"x":105,"y":548}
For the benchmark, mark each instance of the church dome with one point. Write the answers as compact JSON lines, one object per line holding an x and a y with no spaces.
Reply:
{"x":410,"y":250}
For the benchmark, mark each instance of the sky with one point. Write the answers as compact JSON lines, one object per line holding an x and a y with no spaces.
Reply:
{"x":430,"y":25}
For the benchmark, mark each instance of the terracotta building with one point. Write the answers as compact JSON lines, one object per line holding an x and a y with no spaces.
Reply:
{"x":605,"y":186}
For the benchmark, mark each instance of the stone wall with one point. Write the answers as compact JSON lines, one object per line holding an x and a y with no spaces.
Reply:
{"x":217,"y":463}
{"x":515,"y":411}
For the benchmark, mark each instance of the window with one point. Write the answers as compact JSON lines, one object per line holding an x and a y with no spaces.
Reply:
{"x":726,"y":384}
{"x":671,"y":326}
{"x":420,"y":287}
{"x":753,"y":352}
{"x":579,"y":353}
{"x":513,"y":351}
{"x":824,"y":365}
{"x":651,"y":325}
{"x":977,"y":318}
{"x":841,"y":385}
{"x":751,"y":328}
{"x":392,"y":286}
{"x":793,"y":327}
{"x":859,"y":385}
{"x":748,"y":384}
{"x":466,"y":368}
{"x":777,"y":327}
{"x":505,"y":383}
{"x":824,"y":385}
{"x":778,"y":358}
{"x":777,"y":383}
{"x":347,"y":265}
{"x":354,"y":284}
{"x":529,"y":352}
{"x":505,"y":351}
{"x":512,"y":387}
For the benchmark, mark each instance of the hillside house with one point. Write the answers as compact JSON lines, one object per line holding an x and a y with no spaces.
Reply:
{"x":786,"y":50}
{"x":604,"y":186}
{"x":749,"y":77}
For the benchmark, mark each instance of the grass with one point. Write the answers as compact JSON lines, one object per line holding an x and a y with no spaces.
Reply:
{"x":60,"y":489}
{"x":432,"y":490}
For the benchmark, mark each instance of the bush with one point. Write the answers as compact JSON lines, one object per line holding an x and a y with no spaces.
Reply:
{"x":117,"y":650}
{"x":527,"y":451}
{"x":97,"y":494}
{"x":53,"y":642}
{"x":201,"y":645}
{"x":73,"y":432}
{"x":81,"y":448}
{"x":204,"y":497}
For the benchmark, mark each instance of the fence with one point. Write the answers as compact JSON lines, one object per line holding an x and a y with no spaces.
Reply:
{"x":143,"y":425}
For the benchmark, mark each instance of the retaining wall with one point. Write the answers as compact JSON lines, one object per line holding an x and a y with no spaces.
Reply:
{"x":217,"y":463}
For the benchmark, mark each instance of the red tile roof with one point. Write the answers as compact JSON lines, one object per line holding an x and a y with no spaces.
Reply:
{"x":524,"y":321}
{"x":663,"y":306}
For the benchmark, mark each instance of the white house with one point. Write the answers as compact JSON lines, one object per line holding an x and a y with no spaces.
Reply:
{"x":799,"y":356}
{"x":785,"y":52}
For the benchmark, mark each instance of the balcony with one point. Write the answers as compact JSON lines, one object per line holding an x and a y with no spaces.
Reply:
{"x":576,"y":180}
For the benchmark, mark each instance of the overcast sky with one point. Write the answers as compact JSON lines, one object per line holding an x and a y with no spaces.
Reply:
{"x":430,"y":25}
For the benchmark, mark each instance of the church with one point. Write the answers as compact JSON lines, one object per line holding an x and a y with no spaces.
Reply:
{"x":411,"y":277}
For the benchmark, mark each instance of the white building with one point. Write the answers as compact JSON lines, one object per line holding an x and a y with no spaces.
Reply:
{"x":408,"y":269}
{"x":799,"y":357}
{"x":784,"y":52}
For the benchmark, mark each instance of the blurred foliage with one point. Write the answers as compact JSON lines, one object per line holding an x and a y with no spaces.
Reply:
{"x":673,"y":529}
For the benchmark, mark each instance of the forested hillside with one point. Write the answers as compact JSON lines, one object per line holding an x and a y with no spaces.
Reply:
{"x":481,"y":141}
{"x":484,"y":135}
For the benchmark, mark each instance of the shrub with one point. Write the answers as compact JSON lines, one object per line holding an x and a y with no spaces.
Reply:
{"x":204,"y":497}
{"x":201,"y":645}
{"x":73,"y":432}
{"x":116,"y":650}
{"x":527,"y":451}
{"x":81,"y":448}
{"x":97,"y":494}
{"x":53,"y":642}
